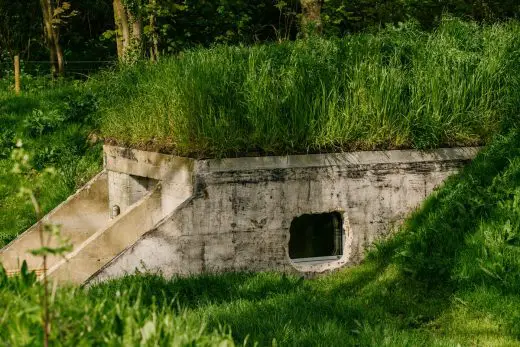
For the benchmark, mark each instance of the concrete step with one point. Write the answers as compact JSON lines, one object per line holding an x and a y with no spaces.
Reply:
{"x":84,"y":219}
{"x":105,"y":244}
{"x":79,"y":217}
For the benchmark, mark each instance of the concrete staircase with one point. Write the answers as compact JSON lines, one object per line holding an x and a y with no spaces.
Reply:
{"x":84,"y":219}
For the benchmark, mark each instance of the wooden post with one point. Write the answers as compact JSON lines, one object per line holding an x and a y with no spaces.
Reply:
{"x":17,"y":74}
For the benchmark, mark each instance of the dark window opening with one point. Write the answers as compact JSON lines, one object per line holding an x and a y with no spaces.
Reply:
{"x":316,"y":236}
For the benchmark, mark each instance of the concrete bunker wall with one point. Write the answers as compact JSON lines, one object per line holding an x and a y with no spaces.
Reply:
{"x":240,"y":211}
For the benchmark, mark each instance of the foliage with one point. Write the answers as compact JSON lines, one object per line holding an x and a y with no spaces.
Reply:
{"x":187,"y":23}
{"x":110,"y":320}
{"x":55,"y":124}
{"x":21,"y":32}
{"x":51,"y":240}
{"x":7,"y":141}
{"x":469,"y":231}
{"x":20,"y":25}
{"x":183,"y":24}
{"x":342,"y":17}
{"x":399,"y":88}
{"x":430,"y":12}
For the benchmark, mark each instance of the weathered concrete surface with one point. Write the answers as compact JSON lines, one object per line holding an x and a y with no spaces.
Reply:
{"x":133,"y":173}
{"x":80,"y":216}
{"x":124,"y":190}
{"x":108,"y":242}
{"x":183,"y":216}
{"x":239,"y":214}
{"x":85,"y":218}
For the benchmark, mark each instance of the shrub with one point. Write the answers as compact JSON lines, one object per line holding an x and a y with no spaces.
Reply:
{"x":41,"y":122}
{"x":7,"y":138}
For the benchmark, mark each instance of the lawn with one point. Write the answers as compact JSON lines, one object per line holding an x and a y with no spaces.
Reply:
{"x":54,"y":121}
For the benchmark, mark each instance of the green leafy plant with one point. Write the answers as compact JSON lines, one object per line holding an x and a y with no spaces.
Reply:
{"x":51,"y":241}
{"x":7,"y":137}
{"x":42,"y":122}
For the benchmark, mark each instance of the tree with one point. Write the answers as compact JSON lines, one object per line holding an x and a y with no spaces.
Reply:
{"x":129,"y":30}
{"x":55,"y":13}
{"x":20,"y":29}
{"x":311,"y":17}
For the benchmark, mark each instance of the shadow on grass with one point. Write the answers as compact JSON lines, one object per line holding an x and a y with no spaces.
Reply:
{"x":17,"y":105}
{"x":433,"y":241}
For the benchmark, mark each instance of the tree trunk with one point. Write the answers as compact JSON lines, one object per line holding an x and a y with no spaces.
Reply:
{"x":129,"y":34}
{"x":49,"y":36}
{"x":137,"y":33}
{"x":119,"y":30}
{"x":59,"y":52}
{"x":121,"y":18}
{"x":154,"y":47}
{"x":311,"y":23}
{"x":52,"y":38}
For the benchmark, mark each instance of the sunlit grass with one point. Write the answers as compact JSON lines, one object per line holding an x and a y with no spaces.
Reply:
{"x":53,"y":126}
{"x":397,"y":88}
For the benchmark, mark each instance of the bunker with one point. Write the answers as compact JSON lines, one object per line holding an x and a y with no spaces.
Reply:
{"x":305,"y":214}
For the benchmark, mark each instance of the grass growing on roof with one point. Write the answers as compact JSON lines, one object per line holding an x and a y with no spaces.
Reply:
{"x":398,"y":88}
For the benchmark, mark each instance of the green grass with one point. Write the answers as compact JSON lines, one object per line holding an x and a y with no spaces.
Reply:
{"x":54,"y":122}
{"x":77,"y":320}
{"x":394,"y":89}
{"x":449,"y":277}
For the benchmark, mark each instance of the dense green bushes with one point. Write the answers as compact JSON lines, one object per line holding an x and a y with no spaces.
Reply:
{"x":400,"y":88}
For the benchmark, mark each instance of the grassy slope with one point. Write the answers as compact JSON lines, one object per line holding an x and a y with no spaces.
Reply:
{"x":53,"y":122}
{"x":398,"y":88}
{"x":450,"y":276}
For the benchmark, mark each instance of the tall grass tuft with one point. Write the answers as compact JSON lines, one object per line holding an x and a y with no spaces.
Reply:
{"x":121,"y":319}
{"x":399,"y":88}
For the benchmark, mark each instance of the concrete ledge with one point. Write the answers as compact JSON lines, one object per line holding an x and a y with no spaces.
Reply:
{"x":157,"y":166}
{"x":145,"y":164}
{"x":339,"y":159}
